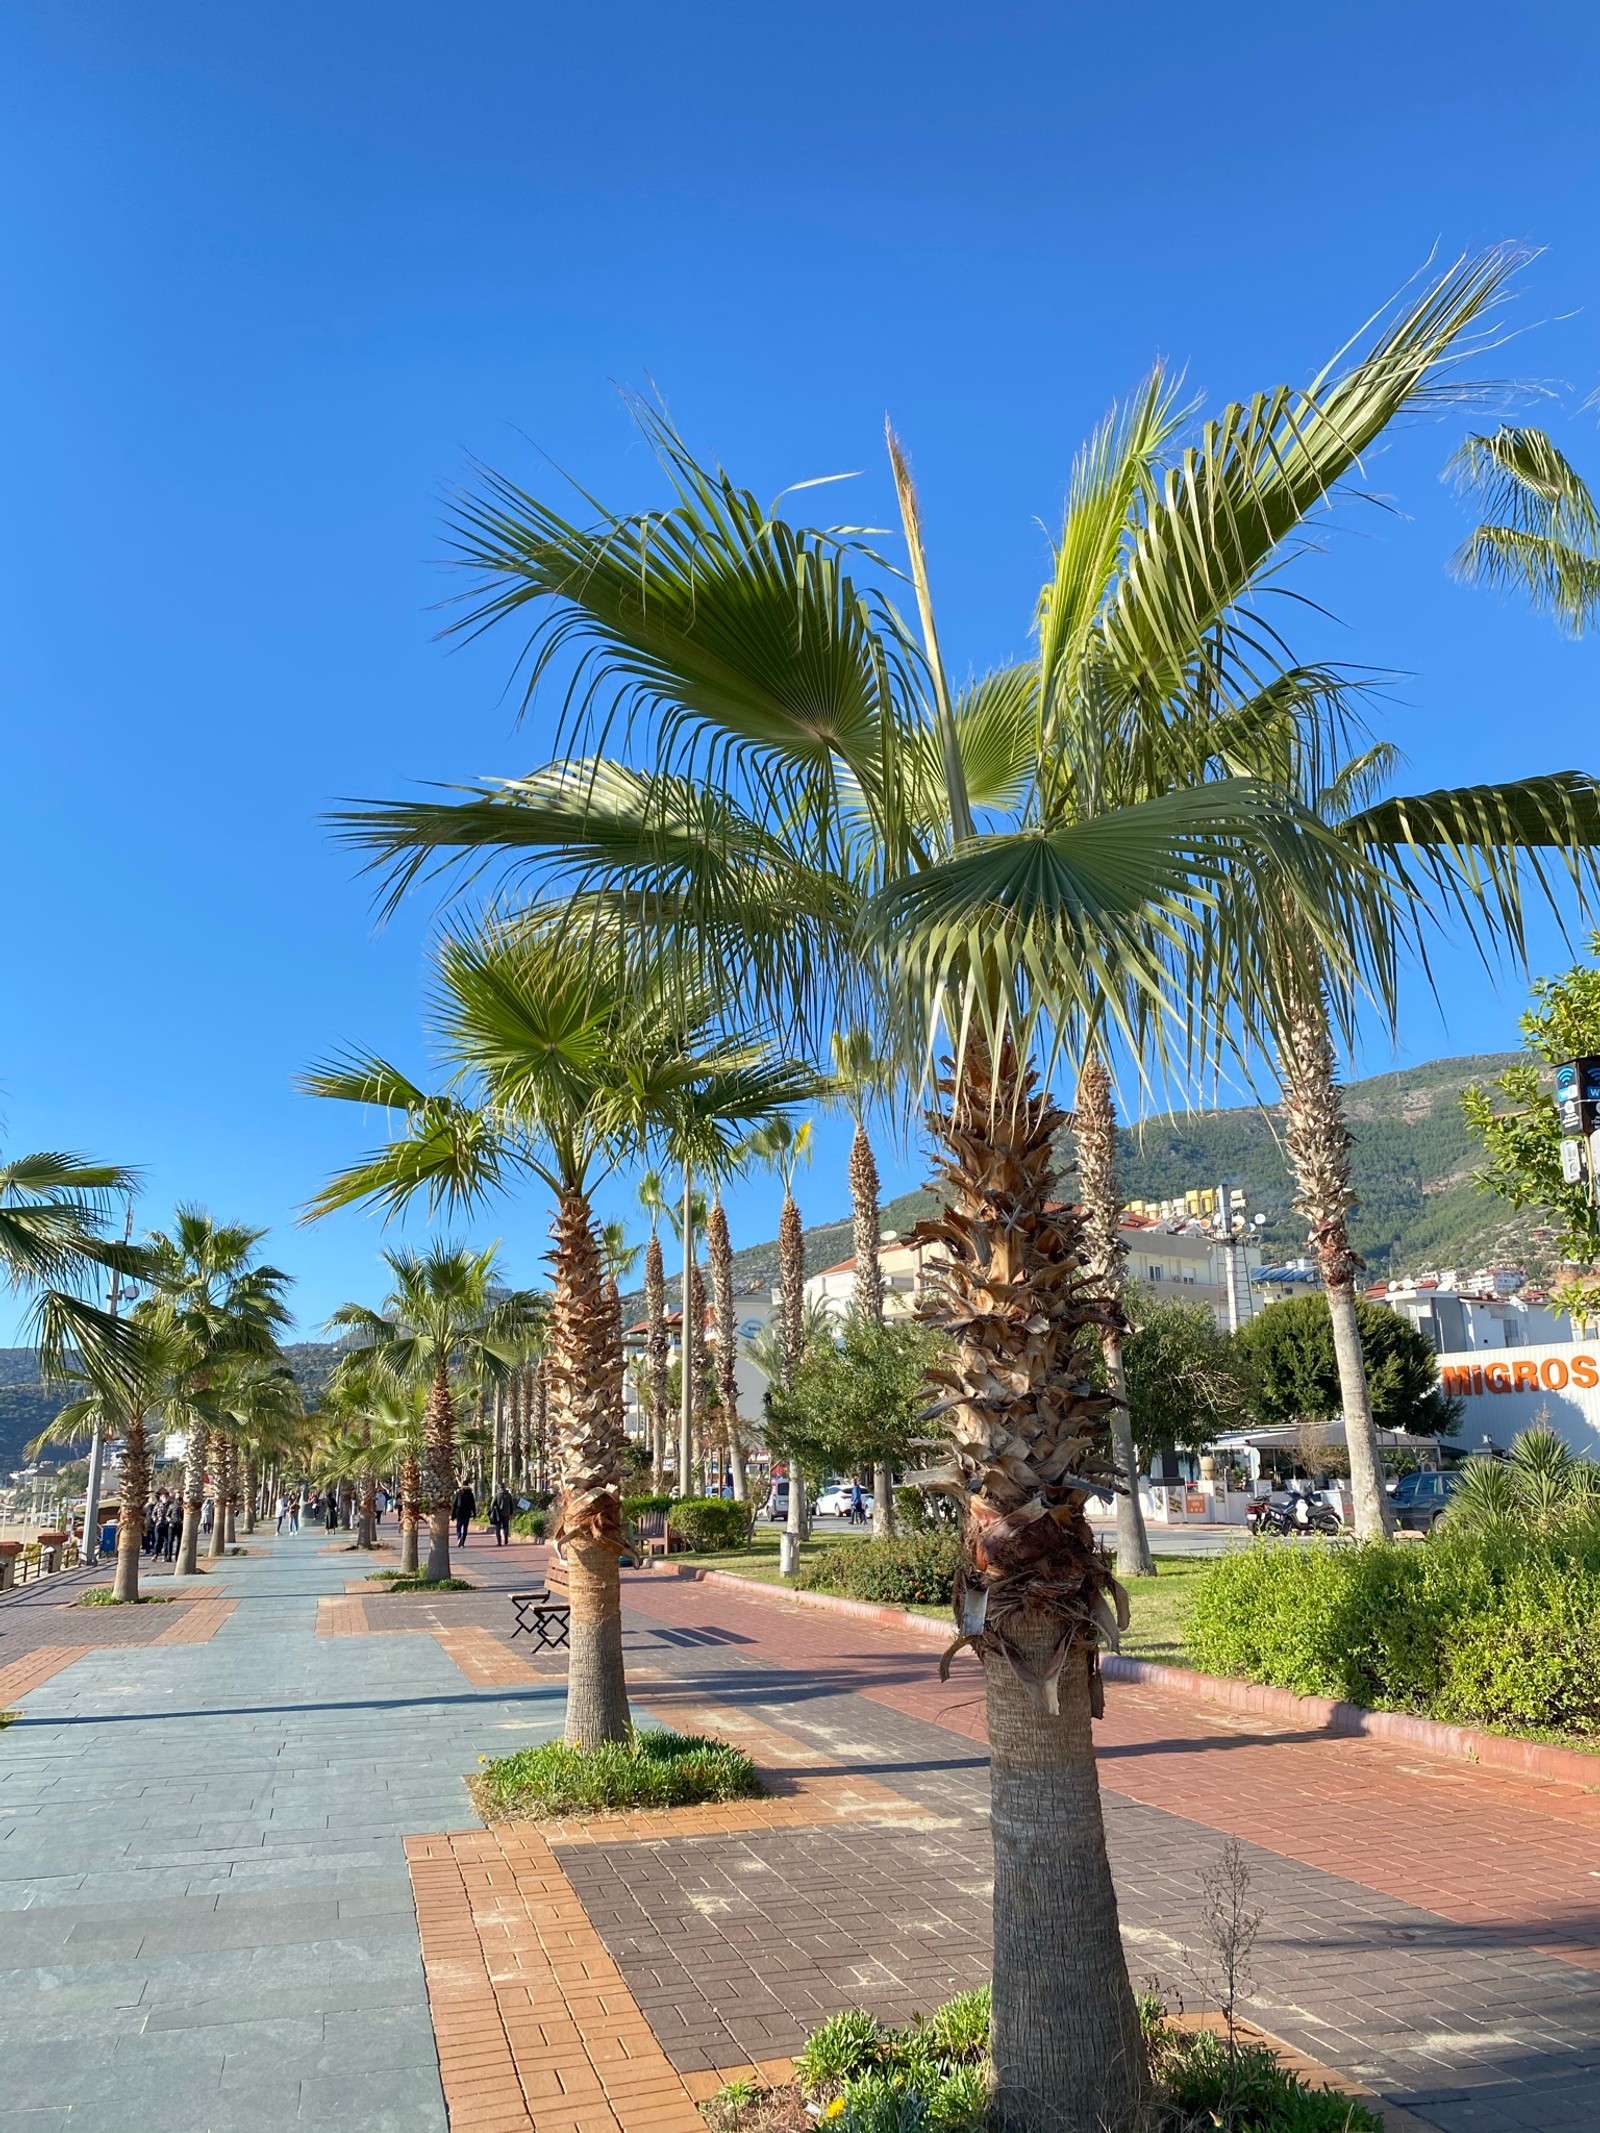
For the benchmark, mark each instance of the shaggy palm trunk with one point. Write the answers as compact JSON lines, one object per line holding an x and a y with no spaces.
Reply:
{"x":694,"y":1404}
{"x":368,"y":1535}
{"x":1100,"y":1196}
{"x":655,"y":1313}
{"x":719,"y":1250}
{"x":194,"y":1487}
{"x":791,"y":1331}
{"x":219,"y":1495}
{"x":864,"y":1221}
{"x":252,"y":1488}
{"x":1034,"y":1596}
{"x":234,"y":1469}
{"x":439,"y":1469}
{"x":410,"y":1490}
{"x":585,"y":1381}
{"x":134,"y":1497}
{"x":1319,"y":1149}
{"x":541,"y":1427}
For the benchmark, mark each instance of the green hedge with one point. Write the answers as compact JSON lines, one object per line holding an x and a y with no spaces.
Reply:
{"x":708,"y":1524}
{"x":641,"y":1506}
{"x":532,"y":1523}
{"x":1498,"y":1629}
{"x":918,"y":1571}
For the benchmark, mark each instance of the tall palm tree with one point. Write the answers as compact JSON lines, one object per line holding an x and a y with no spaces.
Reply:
{"x":858,"y":1076}
{"x":832,"y":831}
{"x":446,"y":1310}
{"x":783,"y":1146}
{"x":1541,"y":533}
{"x":228,"y":1307}
{"x":565,"y":1057}
{"x":719,"y":1257}
{"x":652,"y":1200}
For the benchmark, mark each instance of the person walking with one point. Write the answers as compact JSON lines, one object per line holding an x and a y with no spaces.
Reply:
{"x":500,"y":1511}
{"x":858,"y":1508}
{"x":283,"y":1509}
{"x":462,"y":1510}
{"x":294,"y":1512}
{"x":171,"y":1529}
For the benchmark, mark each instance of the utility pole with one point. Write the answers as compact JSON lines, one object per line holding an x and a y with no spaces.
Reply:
{"x":91,"y":1501}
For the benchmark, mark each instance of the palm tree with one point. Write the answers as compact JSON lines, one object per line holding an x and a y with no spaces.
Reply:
{"x":446,"y":1310}
{"x":831,"y":831}
{"x":719,"y":1256}
{"x":116,"y":1392}
{"x":228,"y":1308}
{"x":858,"y":1075}
{"x":783,"y":1146}
{"x":565,"y":1056}
{"x":397,"y":1415}
{"x":652,"y":1200}
{"x":1542,"y":531}
{"x":259,"y":1409}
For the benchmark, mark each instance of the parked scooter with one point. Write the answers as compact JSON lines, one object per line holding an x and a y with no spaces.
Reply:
{"x":1285,"y":1517}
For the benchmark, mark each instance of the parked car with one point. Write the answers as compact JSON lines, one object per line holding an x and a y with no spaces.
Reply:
{"x":834,"y":1502}
{"x":1419,"y":1500}
{"x":776,"y":1506}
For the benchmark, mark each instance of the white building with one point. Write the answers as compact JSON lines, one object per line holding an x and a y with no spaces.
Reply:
{"x":1456,"y":1320}
{"x":751,"y":1315}
{"x":1176,"y":1260}
{"x":1506,"y":1390}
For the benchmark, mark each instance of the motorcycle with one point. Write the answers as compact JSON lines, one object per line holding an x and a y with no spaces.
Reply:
{"x":1292,"y":1516}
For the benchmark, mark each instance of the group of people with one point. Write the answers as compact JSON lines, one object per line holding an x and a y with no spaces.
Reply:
{"x":502,"y":1509}
{"x":163,"y":1526}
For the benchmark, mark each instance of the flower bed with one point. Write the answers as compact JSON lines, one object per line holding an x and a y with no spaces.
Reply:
{"x":654,"y":1769}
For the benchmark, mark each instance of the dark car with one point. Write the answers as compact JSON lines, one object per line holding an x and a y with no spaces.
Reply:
{"x":1420,"y":1500}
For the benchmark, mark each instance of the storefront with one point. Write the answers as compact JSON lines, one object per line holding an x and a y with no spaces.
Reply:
{"x":1505,"y":1390}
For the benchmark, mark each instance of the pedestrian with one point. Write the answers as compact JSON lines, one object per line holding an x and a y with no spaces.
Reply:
{"x":858,"y":1508}
{"x":332,"y":1518}
{"x":171,"y":1530}
{"x":462,"y":1510}
{"x":283,"y":1509}
{"x":294,"y":1511}
{"x":208,"y":1515}
{"x":500,"y":1516}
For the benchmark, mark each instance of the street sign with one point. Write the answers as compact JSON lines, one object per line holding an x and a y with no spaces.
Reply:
{"x":1578,"y":1096}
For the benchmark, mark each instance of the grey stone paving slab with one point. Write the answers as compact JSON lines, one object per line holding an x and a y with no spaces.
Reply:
{"x":203,"y":1887}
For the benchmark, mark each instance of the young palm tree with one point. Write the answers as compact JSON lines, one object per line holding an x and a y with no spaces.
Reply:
{"x":567,"y":1056}
{"x":229,"y":1309}
{"x":783,"y":1146}
{"x":397,"y":1415}
{"x":447,"y":1310}
{"x":719,"y":1256}
{"x":830,"y":830}
{"x":652,"y":1200}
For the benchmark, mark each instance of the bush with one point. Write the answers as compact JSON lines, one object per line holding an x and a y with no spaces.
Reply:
{"x":532,"y":1523}
{"x":419,"y":1583}
{"x":1496,"y":1625}
{"x":923,"y":1511}
{"x":105,"y":1596}
{"x":706,"y":1524}
{"x":654,"y":1769}
{"x":918,"y":1571}
{"x":1247,"y":2089}
{"x":641,"y":1506}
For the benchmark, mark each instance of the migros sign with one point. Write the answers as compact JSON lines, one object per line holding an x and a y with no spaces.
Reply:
{"x":1553,"y":1374}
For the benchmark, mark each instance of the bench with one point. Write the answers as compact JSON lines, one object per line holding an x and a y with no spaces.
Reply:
{"x":543,"y":1617}
{"x":652,"y":1534}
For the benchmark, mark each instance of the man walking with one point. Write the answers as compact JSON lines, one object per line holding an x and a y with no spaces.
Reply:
{"x":500,"y":1516}
{"x":463,"y":1510}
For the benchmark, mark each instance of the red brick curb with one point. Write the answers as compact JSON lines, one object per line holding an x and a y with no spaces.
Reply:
{"x":1319,"y":1714}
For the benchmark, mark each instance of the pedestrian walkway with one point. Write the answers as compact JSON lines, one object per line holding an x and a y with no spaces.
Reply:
{"x":242,"y":1884}
{"x":206,"y":1920}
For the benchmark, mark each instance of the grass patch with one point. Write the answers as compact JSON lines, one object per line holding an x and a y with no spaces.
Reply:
{"x":6,"y":1718}
{"x":397,"y":1583}
{"x":654,"y":1769}
{"x":105,"y":1596}
{"x":1159,"y":1630}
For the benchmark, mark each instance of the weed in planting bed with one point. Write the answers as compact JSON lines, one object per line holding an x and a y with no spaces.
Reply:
{"x":653,"y":1769}
{"x":104,"y":1596}
{"x":420,"y":1584}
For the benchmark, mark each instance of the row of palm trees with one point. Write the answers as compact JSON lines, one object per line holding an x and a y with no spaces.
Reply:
{"x":1159,"y":844}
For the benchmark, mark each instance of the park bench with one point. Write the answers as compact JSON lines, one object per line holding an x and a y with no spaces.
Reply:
{"x":542,"y":1616}
{"x":652,"y":1534}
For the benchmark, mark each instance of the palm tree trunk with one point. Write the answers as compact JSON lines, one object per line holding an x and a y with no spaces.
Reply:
{"x":696,"y":1402}
{"x":689,"y":1343}
{"x":1319,"y":1149}
{"x":439,"y":1469}
{"x":252,"y":1484}
{"x":134,"y":1497}
{"x":655,"y":1312}
{"x":235,"y":1469}
{"x":719,"y":1251}
{"x":588,"y":1427}
{"x":864,"y":1226}
{"x":194,"y":1486}
{"x":1100,"y":1196}
{"x":368,"y":1535}
{"x":791,"y":1288}
{"x":1010,"y":1296}
{"x":410,"y":1488}
{"x":541,"y":1426}
{"x":219,"y":1496}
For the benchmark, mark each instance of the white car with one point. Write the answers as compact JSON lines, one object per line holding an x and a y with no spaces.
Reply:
{"x":835,"y":1502}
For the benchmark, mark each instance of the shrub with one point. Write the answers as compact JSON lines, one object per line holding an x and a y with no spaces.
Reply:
{"x":923,"y":1510}
{"x":105,"y":1596}
{"x":1495,"y":1624}
{"x":533,"y":1523}
{"x":397,"y":1583}
{"x":705,"y":1524}
{"x":654,"y":1769}
{"x":845,"y":2045}
{"x":1248,"y":2090}
{"x":917,"y":1571}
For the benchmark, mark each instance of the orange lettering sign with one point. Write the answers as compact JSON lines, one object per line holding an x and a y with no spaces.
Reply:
{"x":1553,"y":1374}
{"x":1497,"y":1377}
{"x":1584,"y":1372}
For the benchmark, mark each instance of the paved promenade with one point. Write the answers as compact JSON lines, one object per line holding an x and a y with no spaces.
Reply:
{"x":242,"y":1884}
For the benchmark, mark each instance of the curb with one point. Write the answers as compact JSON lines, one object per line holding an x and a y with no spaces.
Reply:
{"x":1315,"y":1714}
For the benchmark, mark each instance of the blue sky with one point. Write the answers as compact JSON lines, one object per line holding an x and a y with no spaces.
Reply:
{"x":274,"y":272}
